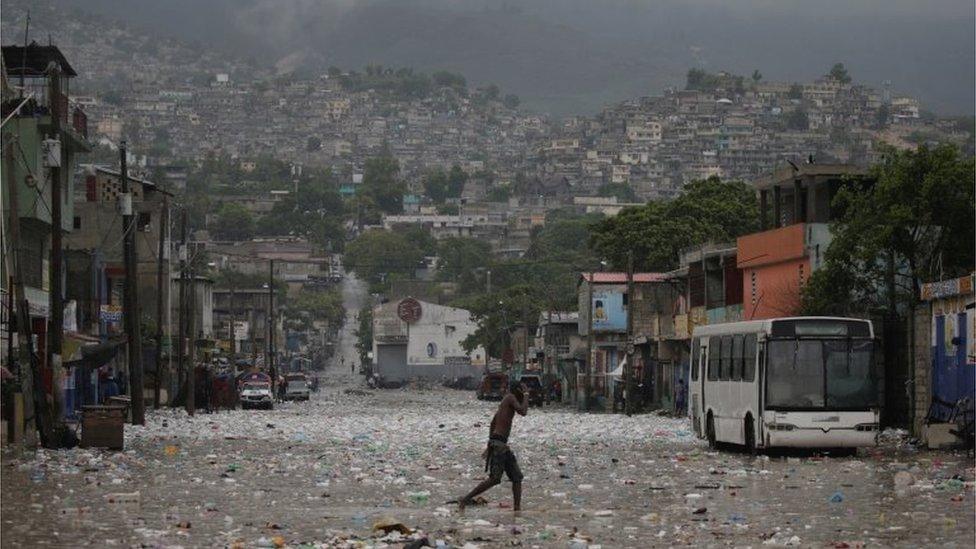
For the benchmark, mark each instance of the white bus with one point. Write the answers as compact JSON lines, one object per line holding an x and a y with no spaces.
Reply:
{"x":805,"y":382}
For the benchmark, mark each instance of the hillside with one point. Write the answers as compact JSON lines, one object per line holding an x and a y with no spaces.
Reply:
{"x":573,"y":56}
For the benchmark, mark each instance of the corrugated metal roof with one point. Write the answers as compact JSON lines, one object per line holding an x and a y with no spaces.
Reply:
{"x":36,"y":60}
{"x":621,"y":278}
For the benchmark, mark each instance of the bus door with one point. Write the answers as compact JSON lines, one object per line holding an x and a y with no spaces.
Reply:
{"x":694,"y":392}
{"x":760,"y":391}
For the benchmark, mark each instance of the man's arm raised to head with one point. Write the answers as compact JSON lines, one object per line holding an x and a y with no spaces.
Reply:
{"x":521,"y":407}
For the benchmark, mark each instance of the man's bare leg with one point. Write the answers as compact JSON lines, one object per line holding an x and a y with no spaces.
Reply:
{"x":485,"y":484}
{"x":516,"y":496}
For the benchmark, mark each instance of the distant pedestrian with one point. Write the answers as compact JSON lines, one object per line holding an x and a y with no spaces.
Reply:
{"x":353,"y":366}
{"x":680,"y":397}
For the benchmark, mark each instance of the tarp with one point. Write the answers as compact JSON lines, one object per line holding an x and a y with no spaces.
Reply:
{"x":619,"y":372}
{"x":95,"y":355}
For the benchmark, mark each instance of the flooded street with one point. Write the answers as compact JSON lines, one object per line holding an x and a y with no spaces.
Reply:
{"x":324,"y":472}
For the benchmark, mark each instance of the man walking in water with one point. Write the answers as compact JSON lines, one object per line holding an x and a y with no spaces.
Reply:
{"x":499,"y":457}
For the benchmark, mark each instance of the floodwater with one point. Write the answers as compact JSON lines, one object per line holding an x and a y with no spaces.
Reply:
{"x":323,"y":473}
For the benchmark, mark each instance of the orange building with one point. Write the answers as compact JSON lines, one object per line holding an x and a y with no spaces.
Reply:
{"x":777,"y":261}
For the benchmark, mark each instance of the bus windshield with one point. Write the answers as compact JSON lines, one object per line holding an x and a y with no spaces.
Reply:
{"x":821,"y":373}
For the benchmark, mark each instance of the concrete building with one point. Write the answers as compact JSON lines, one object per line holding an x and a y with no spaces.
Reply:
{"x":415,"y":339}
{"x":777,"y":261}
{"x":945,"y":357}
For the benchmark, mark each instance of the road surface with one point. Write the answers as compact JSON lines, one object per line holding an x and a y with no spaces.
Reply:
{"x":322,"y":473}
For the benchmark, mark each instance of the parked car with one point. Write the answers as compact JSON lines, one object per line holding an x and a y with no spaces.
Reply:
{"x":256,"y":394}
{"x":534,"y":384}
{"x":296,"y":387}
{"x":493,"y":386}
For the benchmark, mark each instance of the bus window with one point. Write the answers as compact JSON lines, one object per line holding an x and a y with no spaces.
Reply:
{"x":726,"y":370}
{"x":714,"y":346}
{"x":795,"y":374}
{"x":749,"y":358}
{"x":737,"y":358}
{"x":695,"y":358}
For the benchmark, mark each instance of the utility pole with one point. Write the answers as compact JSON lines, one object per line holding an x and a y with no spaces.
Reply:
{"x":233,"y":330}
{"x":55,"y":326}
{"x":163,"y":224}
{"x":271,"y":324}
{"x":131,"y":299}
{"x":31,"y":384}
{"x":191,"y":375}
{"x":629,"y":369}
{"x":587,"y":381}
{"x":525,"y":339}
{"x":181,"y":320}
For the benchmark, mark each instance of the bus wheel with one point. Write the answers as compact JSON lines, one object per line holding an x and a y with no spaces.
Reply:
{"x":710,"y":431}
{"x":750,"y":436}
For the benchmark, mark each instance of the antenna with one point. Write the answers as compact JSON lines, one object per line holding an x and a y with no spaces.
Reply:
{"x":23,"y":64}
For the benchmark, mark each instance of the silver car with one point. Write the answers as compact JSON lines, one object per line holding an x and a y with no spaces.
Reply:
{"x":297,"y":389}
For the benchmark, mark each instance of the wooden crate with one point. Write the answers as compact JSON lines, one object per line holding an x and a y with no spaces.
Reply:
{"x":103,"y":427}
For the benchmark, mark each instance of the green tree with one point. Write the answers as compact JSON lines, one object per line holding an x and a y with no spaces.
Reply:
{"x":756,"y":77}
{"x":623,"y":191}
{"x":498,"y":314}
{"x":798,"y":120}
{"x":435,"y":186}
{"x":456,"y":179}
{"x":448,"y":209}
{"x":460,"y":257}
{"x":318,"y":306}
{"x":511,"y":100}
{"x":449,"y":79}
{"x":499,"y":193}
{"x":420,"y":238}
{"x":381,"y":182}
{"x":913,"y":224}
{"x":113,"y":97}
{"x":707,"y":210}
{"x":839,"y":72}
{"x":377,"y":254}
{"x":234,"y":222}
{"x":364,"y":334}
{"x":795,"y":92}
{"x":882,"y":118}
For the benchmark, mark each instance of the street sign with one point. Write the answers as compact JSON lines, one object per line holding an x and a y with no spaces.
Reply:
{"x":409,"y":310}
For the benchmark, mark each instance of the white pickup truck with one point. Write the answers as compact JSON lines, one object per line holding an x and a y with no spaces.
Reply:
{"x":256,"y":394}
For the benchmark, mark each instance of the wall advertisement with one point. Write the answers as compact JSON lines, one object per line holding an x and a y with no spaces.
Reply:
{"x":609,"y":313}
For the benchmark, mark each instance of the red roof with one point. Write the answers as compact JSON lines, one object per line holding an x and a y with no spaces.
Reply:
{"x":621,"y":278}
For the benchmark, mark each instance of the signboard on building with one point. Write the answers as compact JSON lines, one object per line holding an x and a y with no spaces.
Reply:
{"x":947,"y":288}
{"x":609,"y":313}
{"x":409,"y":310}
{"x":110,"y":313}
{"x":456,"y":361}
{"x":241,"y":329}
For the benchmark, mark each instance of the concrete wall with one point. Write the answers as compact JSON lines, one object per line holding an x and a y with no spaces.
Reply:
{"x":922,"y":386}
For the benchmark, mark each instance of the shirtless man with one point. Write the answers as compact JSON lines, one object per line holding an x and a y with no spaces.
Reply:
{"x":499,"y":457}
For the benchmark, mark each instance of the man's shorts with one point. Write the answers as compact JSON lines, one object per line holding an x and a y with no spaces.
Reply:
{"x":502,"y":459}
